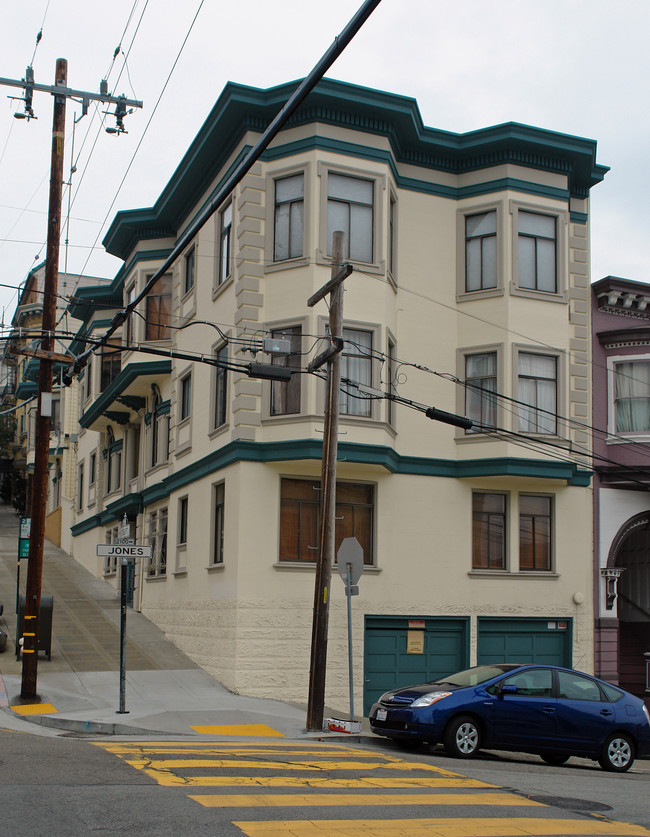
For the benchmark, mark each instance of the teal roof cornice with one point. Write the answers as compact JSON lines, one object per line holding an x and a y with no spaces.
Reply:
{"x":241,"y":108}
{"x":126,"y":377}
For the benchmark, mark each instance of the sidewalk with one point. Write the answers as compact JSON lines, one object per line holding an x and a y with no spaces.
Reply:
{"x":166,"y":693}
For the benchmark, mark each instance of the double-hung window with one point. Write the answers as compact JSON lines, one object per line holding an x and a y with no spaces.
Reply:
{"x":218,"y":524}
{"x":220,"y":403}
{"x":537,"y":393}
{"x":356,"y":368}
{"x":480,"y":389}
{"x":350,"y":208}
{"x":183,"y":510}
{"x":300,"y":518}
{"x":534,"y":532}
{"x":110,"y":367}
{"x":159,"y":309}
{"x":189,"y":273}
{"x":130,"y":322}
{"x":488,"y":531}
{"x":157,"y":539}
{"x":632,"y":396}
{"x":285,"y":395}
{"x":80,"y":486}
{"x":225,"y":244}
{"x":481,"y":251}
{"x":537,"y":251}
{"x":185,"y":397}
{"x":289,"y":217}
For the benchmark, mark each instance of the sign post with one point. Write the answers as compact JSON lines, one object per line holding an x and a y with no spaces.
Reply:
{"x":350,"y":562}
{"x":125,"y":550}
{"x":24,"y":531}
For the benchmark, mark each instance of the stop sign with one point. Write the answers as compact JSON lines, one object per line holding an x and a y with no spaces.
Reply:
{"x":350,"y":552}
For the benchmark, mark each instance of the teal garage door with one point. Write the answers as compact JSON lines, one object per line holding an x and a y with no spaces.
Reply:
{"x":400,"y":652}
{"x":525,"y":641}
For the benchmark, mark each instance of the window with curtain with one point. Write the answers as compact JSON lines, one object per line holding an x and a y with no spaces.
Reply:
{"x":159,"y":309}
{"x":350,"y":208}
{"x":534,"y":532}
{"x":356,"y":365}
{"x":288,"y":217}
{"x":488,"y":531}
{"x":537,"y":252}
{"x":537,"y":393}
{"x":157,"y":538}
{"x":300,"y":518}
{"x":225,"y":244}
{"x":632,"y":396}
{"x":285,"y":395}
{"x":481,"y":251}
{"x":480,"y":390}
{"x":111,"y":363}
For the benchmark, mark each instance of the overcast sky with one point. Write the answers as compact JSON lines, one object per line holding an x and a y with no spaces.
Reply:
{"x":574,"y":66}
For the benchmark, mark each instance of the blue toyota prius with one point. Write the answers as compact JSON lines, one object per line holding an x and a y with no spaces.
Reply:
{"x":554,"y":712}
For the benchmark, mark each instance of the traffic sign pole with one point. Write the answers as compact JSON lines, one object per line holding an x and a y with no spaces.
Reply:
{"x":123,"y":585}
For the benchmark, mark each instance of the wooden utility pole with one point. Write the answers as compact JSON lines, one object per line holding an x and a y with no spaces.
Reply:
{"x":316,"y":699}
{"x":44,"y":408}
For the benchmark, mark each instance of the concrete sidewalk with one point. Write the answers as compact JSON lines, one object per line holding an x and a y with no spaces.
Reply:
{"x":166,"y":693}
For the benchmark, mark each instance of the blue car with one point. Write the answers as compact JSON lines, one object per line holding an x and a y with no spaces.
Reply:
{"x":554,"y":712}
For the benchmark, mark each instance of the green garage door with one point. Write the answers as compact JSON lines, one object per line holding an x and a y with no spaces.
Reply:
{"x":525,"y":641}
{"x":438,"y":646}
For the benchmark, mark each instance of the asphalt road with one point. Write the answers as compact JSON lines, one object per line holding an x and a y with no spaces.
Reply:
{"x":72,"y":786}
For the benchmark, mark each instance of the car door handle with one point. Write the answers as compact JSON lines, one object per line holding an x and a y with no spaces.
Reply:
{"x":606,"y":712}
{"x":549,"y":709}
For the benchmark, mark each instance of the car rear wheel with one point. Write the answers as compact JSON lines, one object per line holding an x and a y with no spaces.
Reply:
{"x":617,"y":754}
{"x":555,"y":759}
{"x":462,"y":737}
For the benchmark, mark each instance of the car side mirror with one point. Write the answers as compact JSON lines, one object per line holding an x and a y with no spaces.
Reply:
{"x":509,"y":689}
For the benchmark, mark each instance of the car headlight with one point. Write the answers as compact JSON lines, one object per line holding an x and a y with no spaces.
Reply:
{"x":430,"y":698}
{"x":646,"y":713}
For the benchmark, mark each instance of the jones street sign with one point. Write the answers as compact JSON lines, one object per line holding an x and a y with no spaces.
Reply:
{"x":113,"y":550}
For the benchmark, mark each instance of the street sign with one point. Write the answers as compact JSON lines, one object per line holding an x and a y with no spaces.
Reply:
{"x":23,"y":548}
{"x":114,"y":550}
{"x":350,"y":552}
{"x":123,"y":542}
{"x":25,"y":527}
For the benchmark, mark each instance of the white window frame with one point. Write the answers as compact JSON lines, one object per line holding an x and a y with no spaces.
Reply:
{"x":380,"y":211}
{"x":157,"y":523}
{"x":218,"y":526}
{"x":185,"y":410}
{"x":615,"y":437}
{"x":224,"y":278}
{"x":560,"y":388}
{"x":190,"y":253}
{"x":464,"y":212}
{"x":561,"y":251}
{"x":269,"y":245}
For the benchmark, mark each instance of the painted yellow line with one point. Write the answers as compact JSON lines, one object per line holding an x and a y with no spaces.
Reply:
{"x":169,"y":779}
{"x":34,"y":709}
{"x":292,"y":800}
{"x":257,"y":730}
{"x":446,"y":827}
{"x":175,"y":764}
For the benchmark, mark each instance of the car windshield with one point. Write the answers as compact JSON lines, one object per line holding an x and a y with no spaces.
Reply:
{"x":474,"y":676}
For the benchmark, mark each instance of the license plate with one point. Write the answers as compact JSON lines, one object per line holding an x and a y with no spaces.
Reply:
{"x":381,"y":715}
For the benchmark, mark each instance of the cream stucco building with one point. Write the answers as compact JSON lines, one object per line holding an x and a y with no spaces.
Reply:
{"x":470,"y":293}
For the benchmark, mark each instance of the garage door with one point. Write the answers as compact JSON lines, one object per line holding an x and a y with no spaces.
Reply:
{"x":399,"y":652}
{"x":525,"y":641}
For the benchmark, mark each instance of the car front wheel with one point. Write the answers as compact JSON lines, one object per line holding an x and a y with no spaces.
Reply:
{"x":555,"y":759}
{"x":462,"y":737}
{"x":617,"y":754}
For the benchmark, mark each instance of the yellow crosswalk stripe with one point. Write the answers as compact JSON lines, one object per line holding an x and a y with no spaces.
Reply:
{"x":443,"y":827}
{"x":168,"y":779}
{"x":176,"y":764}
{"x":280,"y":800}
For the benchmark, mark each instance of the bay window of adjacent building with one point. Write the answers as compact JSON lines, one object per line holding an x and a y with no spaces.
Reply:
{"x":535,"y":527}
{"x":350,"y":208}
{"x":300,"y":518}
{"x":488,"y":531}
{"x":218,"y":506}
{"x":111,"y":363}
{"x":481,"y":251}
{"x":285,"y":395}
{"x":220,"y":391}
{"x":356,"y":366}
{"x":480,"y":390}
{"x":536,"y":251}
{"x":225,"y":244}
{"x":158,"y":309}
{"x":289,"y":217}
{"x":157,"y":539}
{"x":631,"y":396}
{"x":537,"y":391}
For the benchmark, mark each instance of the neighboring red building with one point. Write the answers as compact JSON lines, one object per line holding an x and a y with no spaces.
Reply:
{"x":621,"y":415}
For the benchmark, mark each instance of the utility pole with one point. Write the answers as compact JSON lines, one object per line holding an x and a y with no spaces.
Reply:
{"x":44,"y":407}
{"x":61,"y":93}
{"x":331,"y":356}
